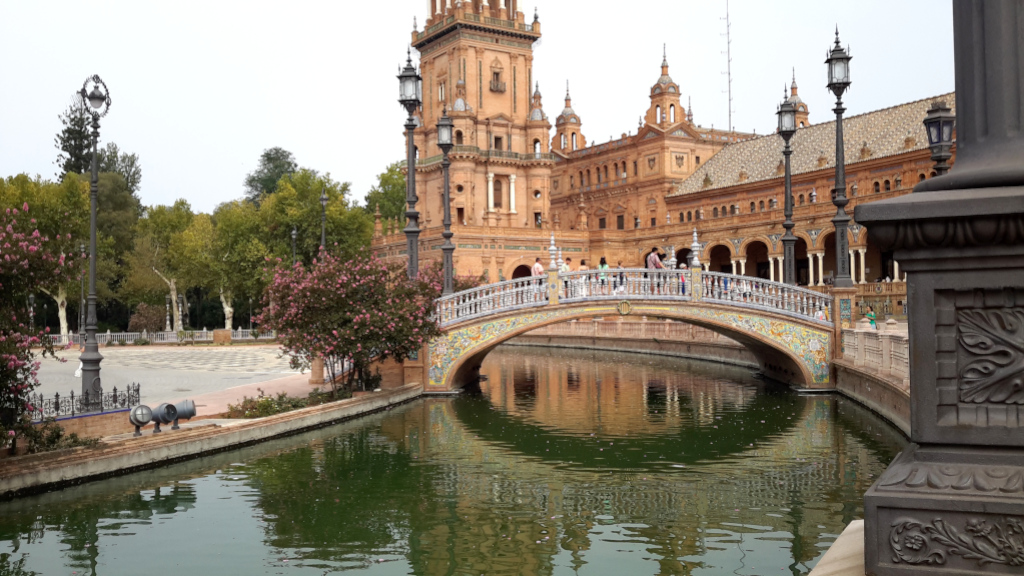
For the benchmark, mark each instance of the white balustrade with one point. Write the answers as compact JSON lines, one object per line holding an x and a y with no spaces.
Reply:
{"x":492,"y":299}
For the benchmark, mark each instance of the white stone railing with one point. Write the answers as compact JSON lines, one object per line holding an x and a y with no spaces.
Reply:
{"x":160,"y":337}
{"x":885,"y":351}
{"x":492,"y":299}
{"x":637,"y":284}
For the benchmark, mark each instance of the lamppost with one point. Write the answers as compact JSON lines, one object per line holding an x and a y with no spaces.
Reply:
{"x":32,"y":312}
{"x":99,"y":101}
{"x":787,"y":127}
{"x":167,"y":312}
{"x":939,"y":124}
{"x":81,"y":304}
{"x":182,"y":311}
{"x":295,"y":234}
{"x":838,"y":81}
{"x":250,"y":313}
{"x":410,"y":95}
{"x":444,"y":141}
{"x":323,"y":218}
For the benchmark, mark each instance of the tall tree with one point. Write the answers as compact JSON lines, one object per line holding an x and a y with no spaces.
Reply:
{"x":74,"y":141}
{"x":151,"y":264}
{"x":388,"y":194}
{"x":275,"y":163}
{"x":111,"y":159}
{"x":239,"y":254}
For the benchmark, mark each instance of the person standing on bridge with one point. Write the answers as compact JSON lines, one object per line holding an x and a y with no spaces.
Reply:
{"x":563,"y":271}
{"x":537,"y":272}
{"x":654,"y":263}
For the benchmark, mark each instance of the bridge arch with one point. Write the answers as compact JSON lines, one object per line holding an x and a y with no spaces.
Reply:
{"x":793,"y":352}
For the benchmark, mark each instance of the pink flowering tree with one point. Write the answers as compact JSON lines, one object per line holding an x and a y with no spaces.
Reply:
{"x":27,"y":260}
{"x":350,"y":312}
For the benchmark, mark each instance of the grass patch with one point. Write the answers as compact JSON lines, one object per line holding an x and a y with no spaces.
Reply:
{"x":263,"y":405}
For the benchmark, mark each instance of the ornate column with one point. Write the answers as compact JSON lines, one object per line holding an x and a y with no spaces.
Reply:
{"x":953,"y":501}
{"x":810,"y":270}
{"x":512,"y":193}
{"x":490,"y":192}
{"x":734,"y":266}
{"x":771,"y":268}
{"x":863,"y":273}
{"x":821,"y":268}
{"x":743,"y":266}
{"x":895,"y":271}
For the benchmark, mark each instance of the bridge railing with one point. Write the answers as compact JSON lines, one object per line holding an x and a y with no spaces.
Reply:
{"x":760,"y":293}
{"x":504,"y":296}
{"x":620,"y":284}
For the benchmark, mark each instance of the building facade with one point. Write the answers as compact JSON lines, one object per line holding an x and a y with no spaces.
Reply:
{"x":514,"y":182}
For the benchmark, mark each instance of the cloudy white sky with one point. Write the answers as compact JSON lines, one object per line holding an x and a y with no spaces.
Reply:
{"x":201,"y":87}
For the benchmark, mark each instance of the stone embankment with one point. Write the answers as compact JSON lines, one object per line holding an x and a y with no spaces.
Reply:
{"x":123,"y":454}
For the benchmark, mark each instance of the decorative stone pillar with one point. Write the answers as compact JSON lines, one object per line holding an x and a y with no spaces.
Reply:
{"x":743,"y":266}
{"x":821,"y":268}
{"x":896,"y":271}
{"x":810,"y":270}
{"x":771,"y":268}
{"x":512,"y":193}
{"x":853,"y":266}
{"x":490,"y":192}
{"x":734,"y":266}
{"x":953,"y":501}
{"x":863,"y":272}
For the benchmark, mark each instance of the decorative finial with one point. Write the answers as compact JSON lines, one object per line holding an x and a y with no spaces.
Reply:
{"x":535,"y":17}
{"x":560,"y":261}
{"x":695,"y":251}
{"x":552,"y":253}
{"x":794,"y":74}
{"x":567,"y":89}
{"x":414,"y":26}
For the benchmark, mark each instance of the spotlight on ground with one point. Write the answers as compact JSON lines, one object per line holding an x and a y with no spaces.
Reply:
{"x":139,"y":417}
{"x":186,"y":410}
{"x":163,"y":414}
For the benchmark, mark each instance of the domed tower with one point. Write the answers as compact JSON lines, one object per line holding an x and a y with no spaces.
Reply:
{"x":538,"y":126}
{"x":568,"y":136}
{"x":802,"y":115}
{"x":665,"y":109}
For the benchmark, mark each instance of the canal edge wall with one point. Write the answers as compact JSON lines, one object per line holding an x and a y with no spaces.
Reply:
{"x":35,"y":473}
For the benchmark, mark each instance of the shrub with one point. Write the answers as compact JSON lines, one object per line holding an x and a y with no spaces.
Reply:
{"x":263,"y":405}
{"x":147,"y":318}
{"x":142,"y":342}
{"x":49,"y":436}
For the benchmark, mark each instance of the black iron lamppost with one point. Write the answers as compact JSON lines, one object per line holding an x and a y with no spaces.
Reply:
{"x":787,"y":127}
{"x":81,"y":304}
{"x":323,"y":218}
{"x":444,"y":141}
{"x":250,"y":313}
{"x":97,"y":101}
{"x":295,"y":234}
{"x":838,"y":81}
{"x":410,"y":96}
{"x":939,"y":124}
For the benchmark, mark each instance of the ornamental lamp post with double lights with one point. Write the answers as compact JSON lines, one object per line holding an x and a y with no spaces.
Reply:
{"x":444,"y":142}
{"x":410,"y":95}
{"x":295,"y":234}
{"x":97,"y":102}
{"x":787,"y":127}
{"x":838,"y":62}
{"x":323,"y":218}
{"x":167,"y":312}
{"x":939,"y":124}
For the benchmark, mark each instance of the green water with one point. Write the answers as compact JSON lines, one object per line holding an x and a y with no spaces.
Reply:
{"x":566,"y":462}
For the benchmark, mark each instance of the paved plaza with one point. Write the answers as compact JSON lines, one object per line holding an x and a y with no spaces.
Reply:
{"x":167,"y":373}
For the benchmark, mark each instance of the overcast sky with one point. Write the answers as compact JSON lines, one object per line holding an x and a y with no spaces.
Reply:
{"x":200,"y":88}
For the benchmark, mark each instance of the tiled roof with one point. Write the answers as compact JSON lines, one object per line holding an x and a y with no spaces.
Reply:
{"x":867,"y":136}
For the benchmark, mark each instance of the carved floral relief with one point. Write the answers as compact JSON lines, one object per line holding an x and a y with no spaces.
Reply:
{"x":991,"y":355}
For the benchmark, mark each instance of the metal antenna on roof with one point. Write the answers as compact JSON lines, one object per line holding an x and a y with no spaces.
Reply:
{"x":728,"y":59}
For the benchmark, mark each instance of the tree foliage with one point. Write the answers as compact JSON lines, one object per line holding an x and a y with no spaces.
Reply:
{"x":275,"y":164}
{"x":388,"y":194}
{"x":350,"y":312}
{"x":74,"y":141}
{"x":111,"y":159}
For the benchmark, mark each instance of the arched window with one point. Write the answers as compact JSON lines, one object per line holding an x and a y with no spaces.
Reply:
{"x":714,"y":213}
{"x":672,"y":113}
{"x":599,"y":175}
{"x":888,"y":186}
{"x":753,"y":209}
{"x":616,"y":168}
{"x":878,"y":188}
{"x":582,"y":181}
{"x":458,"y":137}
{"x":657,"y":114}
{"x":563,"y":142}
{"x":573,"y":140}
{"x":761,"y":205}
{"x":572,"y":181}
{"x":920,"y":177}
{"x":536,"y":146}
{"x":801,"y":199}
{"x":724,"y":212}
{"x":416,"y":152}
{"x":589,"y":181}
{"x":606,"y":173}
{"x":498,"y":200}
{"x":689,"y":216}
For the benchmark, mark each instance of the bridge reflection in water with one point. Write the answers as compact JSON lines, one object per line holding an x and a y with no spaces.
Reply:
{"x":566,"y":462}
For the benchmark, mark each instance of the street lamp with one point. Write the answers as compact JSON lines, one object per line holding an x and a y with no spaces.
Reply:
{"x":295,"y":234}
{"x":444,"y":141}
{"x":939,"y":124}
{"x":838,"y":61}
{"x":410,"y":96}
{"x":167,"y":312}
{"x":323,"y":218}
{"x":97,"y":102}
{"x":32,"y":313}
{"x":787,"y":127}
{"x":250,"y":313}
{"x":181,"y":312}
{"x":81,"y":305}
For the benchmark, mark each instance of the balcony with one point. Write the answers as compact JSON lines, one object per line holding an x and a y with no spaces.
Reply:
{"x":497,"y":86}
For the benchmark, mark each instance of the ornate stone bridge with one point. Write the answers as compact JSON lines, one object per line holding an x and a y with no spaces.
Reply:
{"x":788,"y":329}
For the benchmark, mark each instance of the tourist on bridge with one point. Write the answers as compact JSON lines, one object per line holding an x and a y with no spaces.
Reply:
{"x":536,"y":272}
{"x":564,"y":269}
{"x":583,"y":279}
{"x":682,"y":277}
{"x":654,"y":263}
{"x":603,"y":265}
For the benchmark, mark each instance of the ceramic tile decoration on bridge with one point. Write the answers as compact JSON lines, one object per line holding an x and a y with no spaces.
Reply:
{"x":790,"y":329}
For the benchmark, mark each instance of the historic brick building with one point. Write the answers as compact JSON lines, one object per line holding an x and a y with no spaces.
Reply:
{"x":513,"y":183}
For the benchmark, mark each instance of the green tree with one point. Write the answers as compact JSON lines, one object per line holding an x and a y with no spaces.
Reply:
{"x":239,"y":253}
{"x":388,"y":194}
{"x":275,"y":163}
{"x":74,"y":140}
{"x":151,"y":265}
{"x":111,"y":159}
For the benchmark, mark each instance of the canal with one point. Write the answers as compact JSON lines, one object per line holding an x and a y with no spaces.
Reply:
{"x":564,"y":462}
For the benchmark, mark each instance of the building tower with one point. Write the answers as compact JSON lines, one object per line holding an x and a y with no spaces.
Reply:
{"x":802,"y":115}
{"x":568,"y":136}
{"x":476,"y":59}
{"x":665,"y":109}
